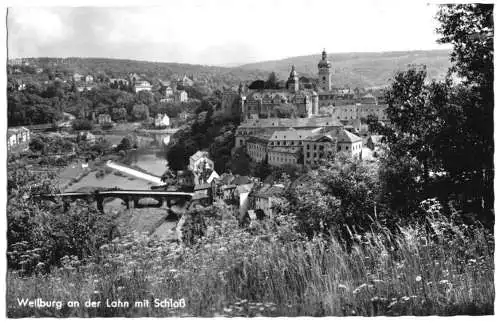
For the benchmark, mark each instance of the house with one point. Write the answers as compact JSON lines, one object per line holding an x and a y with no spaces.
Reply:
{"x":375,"y":141}
{"x":170,"y":99}
{"x":185,"y":81}
{"x":180,"y":96}
{"x":201,"y":166}
{"x":265,"y":198}
{"x":118,"y":82}
{"x":184,"y":115}
{"x":213,"y":177}
{"x":318,"y":147}
{"x":350,"y":144}
{"x":18,"y":138}
{"x":166,"y":89}
{"x":77,"y":77}
{"x":162,"y":120}
{"x":87,"y":136}
{"x":87,"y":87}
{"x":142,"y":86}
{"x":242,"y":194}
{"x":368,"y":99}
{"x":185,"y":179}
{"x":104,"y":118}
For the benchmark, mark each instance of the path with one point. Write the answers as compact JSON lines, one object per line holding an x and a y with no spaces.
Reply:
{"x":133,"y":172}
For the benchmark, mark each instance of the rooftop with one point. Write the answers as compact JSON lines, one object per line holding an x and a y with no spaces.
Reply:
{"x":291,"y":123}
{"x":294,"y":134}
{"x":346,"y":136}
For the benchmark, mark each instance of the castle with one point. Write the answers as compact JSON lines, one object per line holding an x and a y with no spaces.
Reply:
{"x":317,"y":128}
{"x":307,"y":103}
{"x":263,"y":103}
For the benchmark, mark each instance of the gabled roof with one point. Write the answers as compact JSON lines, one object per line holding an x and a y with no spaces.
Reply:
{"x":346,"y":136}
{"x":269,"y":191}
{"x":376,"y":138}
{"x":199,"y":154}
{"x":321,"y":138}
{"x":293,"y":134}
{"x":244,"y":188}
{"x":241,"y":180}
{"x":17,"y":130}
{"x":291,"y":122}
{"x":226,"y":178}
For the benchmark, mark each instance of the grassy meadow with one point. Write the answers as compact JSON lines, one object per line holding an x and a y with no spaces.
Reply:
{"x":267,"y":270}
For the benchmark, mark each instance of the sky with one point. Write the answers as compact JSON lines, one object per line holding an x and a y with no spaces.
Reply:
{"x":221,"y":32}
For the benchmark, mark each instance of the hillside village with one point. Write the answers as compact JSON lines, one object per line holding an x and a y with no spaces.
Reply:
{"x":332,"y":184}
{"x":299,"y":122}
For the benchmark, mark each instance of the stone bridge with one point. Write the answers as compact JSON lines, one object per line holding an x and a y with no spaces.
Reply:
{"x":128,"y":196}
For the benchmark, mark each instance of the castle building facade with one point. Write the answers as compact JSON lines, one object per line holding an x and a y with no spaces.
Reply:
{"x":263,"y":103}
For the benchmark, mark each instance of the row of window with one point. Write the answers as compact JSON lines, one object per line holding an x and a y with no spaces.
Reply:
{"x":288,"y":160}
{"x":284,"y":143}
{"x":315,"y":147}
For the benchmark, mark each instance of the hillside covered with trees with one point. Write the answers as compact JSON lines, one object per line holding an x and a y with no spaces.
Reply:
{"x":364,"y":70}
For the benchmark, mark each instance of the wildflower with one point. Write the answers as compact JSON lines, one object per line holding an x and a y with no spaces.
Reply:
{"x":173,"y":270}
{"x":228,"y":310}
{"x":472,"y":261}
{"x":392,"y":304}
{"x":405,"y":298}
{"x":343,"y":286}
{"x":444,"y":281}
{"x":418,"y":278}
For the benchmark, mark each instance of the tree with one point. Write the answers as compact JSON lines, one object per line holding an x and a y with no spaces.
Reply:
{"x":37,"y":144}
{"x":140,"y":112}
{"x":285,"y":110}
{"x":125,"y":144}
{"x":272,"y":81}
{"x":82,"y":124}
{"x":469,"y":28}
{"x":240,"y":163}
{"x":340,"y":196}
{"x":257,"y":85}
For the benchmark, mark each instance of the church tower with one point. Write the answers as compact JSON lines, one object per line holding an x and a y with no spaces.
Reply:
{"x":325,"y":77}
{"x":293,"y":81}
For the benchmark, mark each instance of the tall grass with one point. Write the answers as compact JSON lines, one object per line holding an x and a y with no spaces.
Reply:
{"x":266,"y":271}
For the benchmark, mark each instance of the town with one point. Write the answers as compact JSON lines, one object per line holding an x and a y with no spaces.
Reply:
{"x":319,"y":125}
{"x":223,"y":176}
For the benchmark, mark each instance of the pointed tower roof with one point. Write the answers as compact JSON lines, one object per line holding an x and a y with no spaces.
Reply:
{"x":324,"y":60}
{"x":293,"y":72}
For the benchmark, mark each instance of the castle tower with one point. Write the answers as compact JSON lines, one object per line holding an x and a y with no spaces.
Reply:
{"x":293,"y":81}
{"x":325,"y":77}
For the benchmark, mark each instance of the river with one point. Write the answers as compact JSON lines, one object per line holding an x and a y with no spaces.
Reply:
{"x":145,"y":160}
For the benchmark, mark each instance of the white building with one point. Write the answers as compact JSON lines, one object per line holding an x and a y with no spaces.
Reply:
{"x":18,"y":138}
{"x":180,"y":96}
{"x":162,"y":120}
{"x":142,"y":86}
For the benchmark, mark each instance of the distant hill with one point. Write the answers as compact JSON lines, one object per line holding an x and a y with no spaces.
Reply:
{"x":214,"y":76}
{"x":349,"y":69}
{"x":360,"y":69}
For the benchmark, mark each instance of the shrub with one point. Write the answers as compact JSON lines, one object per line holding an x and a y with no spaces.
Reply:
{"x":82,"y":124}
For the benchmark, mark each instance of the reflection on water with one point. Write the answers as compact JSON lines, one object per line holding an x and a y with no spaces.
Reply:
{"x":147,"y":161}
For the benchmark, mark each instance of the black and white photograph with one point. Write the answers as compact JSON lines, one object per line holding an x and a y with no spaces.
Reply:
{"x":248,"y":159}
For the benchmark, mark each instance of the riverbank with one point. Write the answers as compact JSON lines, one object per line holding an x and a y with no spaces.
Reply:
{"x":99,"y":174}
